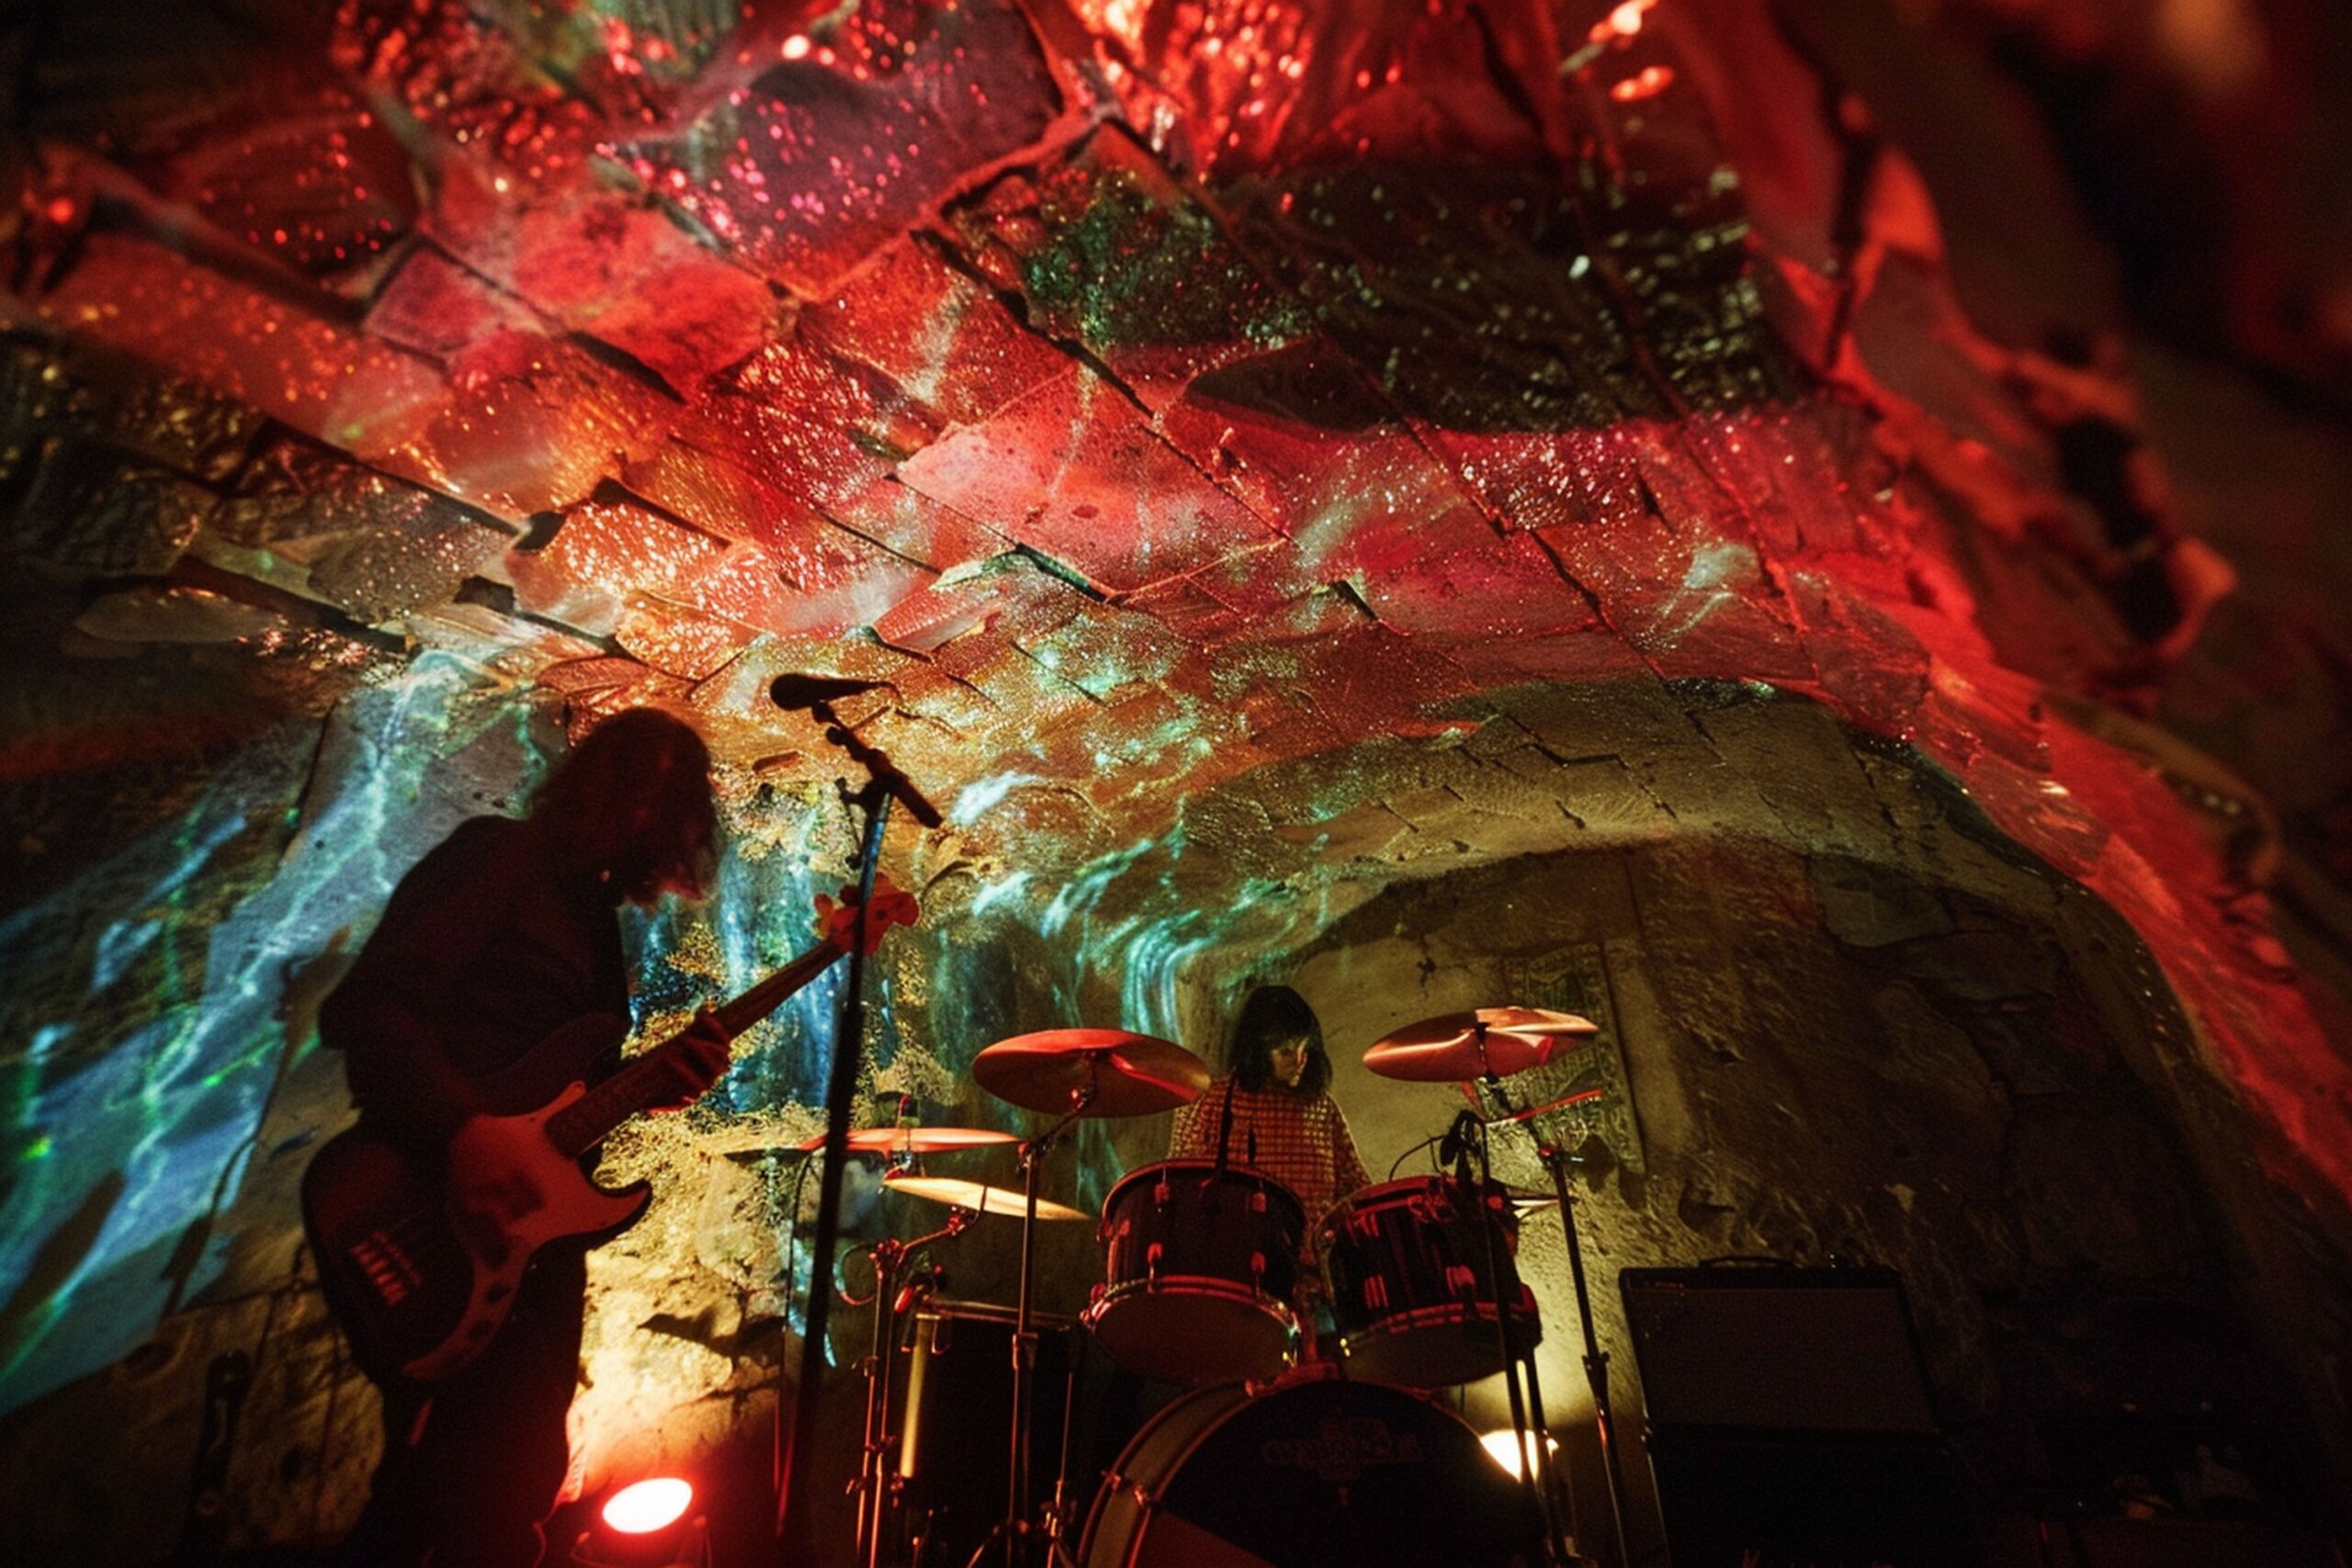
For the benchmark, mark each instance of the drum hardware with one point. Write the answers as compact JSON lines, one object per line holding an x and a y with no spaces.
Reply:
{"x":1486,"y":1045}
{"x":1079,"y":1073}
{"x":1566,"y":1102}
{"x":1557,"y":1160}
{"x":1528,"y":1424}
{"x":876,"y":1485}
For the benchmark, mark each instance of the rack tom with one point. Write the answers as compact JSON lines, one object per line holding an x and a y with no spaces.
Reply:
{"x":1199,"y":1264}
{"x":1414,"y":1268}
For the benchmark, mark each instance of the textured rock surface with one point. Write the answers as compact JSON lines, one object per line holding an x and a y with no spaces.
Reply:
{"x":1721,"y":515}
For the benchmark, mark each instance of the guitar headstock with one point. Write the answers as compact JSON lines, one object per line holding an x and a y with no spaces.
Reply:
{"x":891,"y":904}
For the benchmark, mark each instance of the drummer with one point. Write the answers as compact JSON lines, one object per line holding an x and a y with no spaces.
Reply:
{"x":1272,"y":1111}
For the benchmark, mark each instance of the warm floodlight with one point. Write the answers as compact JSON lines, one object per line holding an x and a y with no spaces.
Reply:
{"x":1508,"y":1453}
{"x":644,"y":1507}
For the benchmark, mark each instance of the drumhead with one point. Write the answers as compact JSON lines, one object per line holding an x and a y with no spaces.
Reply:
{"x":1276,"y":1191}
{"x":1308,"y":1475}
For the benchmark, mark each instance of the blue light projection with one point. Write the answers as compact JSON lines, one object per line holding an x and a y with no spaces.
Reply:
{"x":136,"y":1111}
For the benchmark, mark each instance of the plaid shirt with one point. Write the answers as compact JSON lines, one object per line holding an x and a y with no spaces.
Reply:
{"x":1301,"y":1141}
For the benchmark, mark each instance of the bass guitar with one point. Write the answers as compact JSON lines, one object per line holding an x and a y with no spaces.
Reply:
{"x":419,"y":1288}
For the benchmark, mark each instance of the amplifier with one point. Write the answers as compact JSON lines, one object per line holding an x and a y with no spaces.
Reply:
{"x":1789,"y":1422}
{"x":1777,"y":1349}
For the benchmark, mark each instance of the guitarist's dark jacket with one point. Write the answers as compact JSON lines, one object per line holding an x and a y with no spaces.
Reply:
{"x":489,"y":945}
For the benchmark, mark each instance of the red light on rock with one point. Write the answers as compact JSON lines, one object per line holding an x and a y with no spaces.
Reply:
{"x":1649,"y":80}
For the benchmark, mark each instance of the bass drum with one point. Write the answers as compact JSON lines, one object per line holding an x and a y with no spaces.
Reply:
{"x":1307,"y":1476}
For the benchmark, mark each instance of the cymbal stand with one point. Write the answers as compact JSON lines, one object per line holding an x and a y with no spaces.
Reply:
{"x":1557,"y":1160}
{"x":1518,"y":1355}
{"x":876,"y":1487}
{"x":1013,"y":1531}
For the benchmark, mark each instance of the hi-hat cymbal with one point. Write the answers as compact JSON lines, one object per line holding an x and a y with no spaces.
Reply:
{"x":914,"y":1140}
{"x":1130,"y":1075}
{"x":979,"y":1197}
{"x":1490,"y":1042}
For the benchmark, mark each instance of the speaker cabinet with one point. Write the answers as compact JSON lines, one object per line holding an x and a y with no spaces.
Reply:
{"x":1789,"y":1421}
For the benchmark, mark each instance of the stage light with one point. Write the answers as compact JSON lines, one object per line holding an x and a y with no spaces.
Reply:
{"x":644,"y":1507}
{"x":1507,"y":1453}
{"x":646,"y":1525}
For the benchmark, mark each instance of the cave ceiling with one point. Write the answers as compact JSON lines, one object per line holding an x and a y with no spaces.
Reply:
{"x":1202,"y":426}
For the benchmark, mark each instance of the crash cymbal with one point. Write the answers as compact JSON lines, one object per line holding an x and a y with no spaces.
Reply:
{"x":979,"y":1197}
{"x":1131,"y":1074}
{"x":1459,"y":1046}
{"x":914,"y":1140}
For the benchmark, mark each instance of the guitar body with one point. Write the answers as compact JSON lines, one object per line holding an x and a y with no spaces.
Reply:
{"x":418,"y":1296}
{"x":420,"y":1290}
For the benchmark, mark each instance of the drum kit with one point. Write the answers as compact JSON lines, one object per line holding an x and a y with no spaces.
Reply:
{"x":1292,"y":1444}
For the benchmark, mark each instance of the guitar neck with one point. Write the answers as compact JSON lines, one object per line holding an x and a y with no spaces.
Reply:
{"x":644,"y":1082}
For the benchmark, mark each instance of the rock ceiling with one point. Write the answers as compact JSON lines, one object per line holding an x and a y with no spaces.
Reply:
{"x":1201,"y":425}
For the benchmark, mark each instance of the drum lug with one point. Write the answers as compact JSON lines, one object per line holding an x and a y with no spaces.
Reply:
{"x":1257,"y":1200}
{"x":1258,"y":1265}
{"x":1152,"y":1263}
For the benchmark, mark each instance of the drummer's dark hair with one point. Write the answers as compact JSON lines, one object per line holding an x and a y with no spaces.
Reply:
{"x":1276,"y":1015}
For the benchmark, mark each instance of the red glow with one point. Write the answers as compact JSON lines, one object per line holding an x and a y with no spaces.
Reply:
{"x":1650,"y":81}
{"x":644,"y":1507}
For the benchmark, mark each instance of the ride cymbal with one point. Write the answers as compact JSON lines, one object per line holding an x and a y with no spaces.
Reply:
{"x":1127,"y":1075}
{"x":979,"y":1197}
{"x":1488,"y":1042}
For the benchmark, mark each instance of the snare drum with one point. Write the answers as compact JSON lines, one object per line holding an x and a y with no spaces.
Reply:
{"x":1411,"y":1286}
{"x":1199,"y":1268}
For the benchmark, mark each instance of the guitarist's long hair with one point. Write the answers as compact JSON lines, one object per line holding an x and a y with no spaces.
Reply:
{"x":631,"y":805}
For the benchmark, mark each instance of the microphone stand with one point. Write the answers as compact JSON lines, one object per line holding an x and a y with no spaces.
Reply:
{"x":883,"y":783}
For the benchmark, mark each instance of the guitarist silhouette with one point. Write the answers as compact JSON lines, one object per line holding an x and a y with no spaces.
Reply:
{"x":480,"y":1029}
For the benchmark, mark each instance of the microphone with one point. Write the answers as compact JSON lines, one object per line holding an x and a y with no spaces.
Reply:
{"x":1460,"y":1140}
{"x":805,"y":693}
{"x":924,"y":1282}
{"x":815,"y":694}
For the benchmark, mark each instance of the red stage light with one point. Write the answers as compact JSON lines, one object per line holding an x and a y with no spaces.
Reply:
{"x":644,"y":1507}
